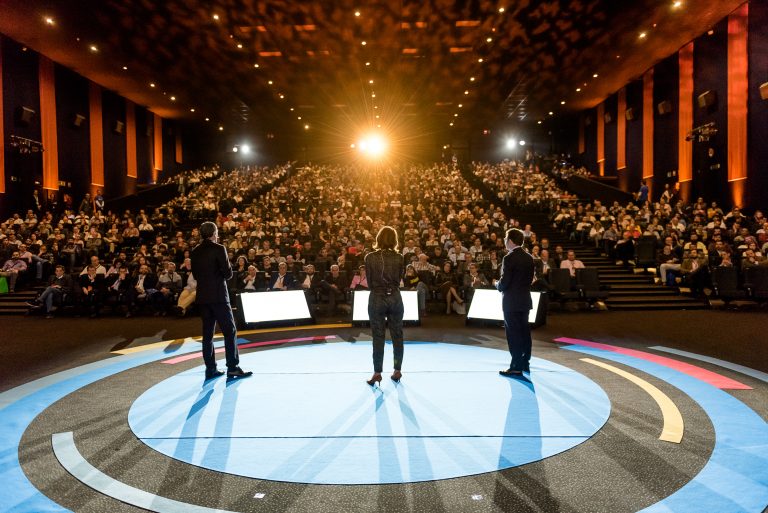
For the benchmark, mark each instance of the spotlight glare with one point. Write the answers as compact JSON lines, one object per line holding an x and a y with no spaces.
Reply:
{"x":373,"y":146}
{"x":522,"y":143}
{"x":245,"y":149}
{"x":49,"y":20}
{"x":511,"y":143}
{"x":234,"y":149}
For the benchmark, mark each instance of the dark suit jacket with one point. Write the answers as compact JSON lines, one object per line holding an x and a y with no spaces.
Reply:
{"x":211,"y":269}
{"x":288,"y":281}
{"x":515,"y":281}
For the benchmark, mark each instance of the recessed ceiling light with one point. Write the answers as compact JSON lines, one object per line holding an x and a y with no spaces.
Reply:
{"x":221,"y":128}
{"x":466,"y":92}
{"x":677,"y":4}
{"x":192,"y":110}
{"x":256,"y":65}
{"x":207,"y":119}
{"x":377,"y":116}
{"x":562,"y":102}
{"x":49,"y":20}
{"x":488,"y":40}
{"x":373,"y":95}
{"x":306,"y":127}
{"x":551,"y":113}
{"x":461,"y":105}
{"x":370,"y":81}
{"x":93,"y":48}
{"x":480,"y":59}
{"x":501,"y":9}
{"x":471,"y":79}
{"x":269,"y":82}
{"x":151,"y":84}
{"x":451,"y":123}
{"x":710,"y":32}
{"x":216,"y":17}
{"x":298,"y":117}
{"x":239,"y":45}
{"x":291,"y":109}
{"x":594,"y":76}
{"x":357,"y":14}
{"x":643,"y":35}
{"x":578,"y":89}
{"x":173,"y":98}
{"x":539,"y":122}
{"x":455,"y":114}
{"x":125,"y":68}
{"x":281,"y":95}
{"x":363,"y":43}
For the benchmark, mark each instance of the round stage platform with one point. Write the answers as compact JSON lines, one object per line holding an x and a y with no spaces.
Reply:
{"x":594,"y":427}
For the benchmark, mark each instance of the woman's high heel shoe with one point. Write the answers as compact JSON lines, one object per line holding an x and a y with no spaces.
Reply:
{"x":396,"y":376}
{"x":375,"y":379}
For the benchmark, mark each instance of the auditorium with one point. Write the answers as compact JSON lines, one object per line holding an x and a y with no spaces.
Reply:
{"x":384,"y":256}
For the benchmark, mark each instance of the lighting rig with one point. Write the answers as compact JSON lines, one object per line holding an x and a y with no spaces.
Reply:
{"x":702,"y":133}
{"x":26,"y":146}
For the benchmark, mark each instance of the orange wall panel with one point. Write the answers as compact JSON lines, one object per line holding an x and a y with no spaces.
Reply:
{"x":48,"y":137}
{"x":157,"y":164}
{"x":738,"y":67}
{"x":648,"y":128}
{"x":130,"y":140}
{"x":621,"y":130}
{"x":2,"y":129}
{"x":97,"y":135}
{"x":685,"y":114}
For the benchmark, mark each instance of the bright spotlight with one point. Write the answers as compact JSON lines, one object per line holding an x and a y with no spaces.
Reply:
{"x":235,"y":149}
{"x":522,"y":143}
{"x":373,"y":146}
{"x":511,"y":143}
{"x":245,"y":149}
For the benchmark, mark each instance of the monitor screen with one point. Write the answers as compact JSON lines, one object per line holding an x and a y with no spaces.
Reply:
{"x":285,"y":305}
{"x":360,"y":305}
{"x":486,"y":305}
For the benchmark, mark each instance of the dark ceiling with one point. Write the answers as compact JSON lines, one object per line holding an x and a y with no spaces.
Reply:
{"x":475,"y":64}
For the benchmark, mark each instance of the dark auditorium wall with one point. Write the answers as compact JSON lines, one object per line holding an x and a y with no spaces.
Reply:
{"x":629,"y":178}
{"x":73,"y":141}
{"x":589,"y":158}
{"x":611,"y":104}
{"x":23,"y":173}
{"x":757,"y":183}
{"x":710,"y":72}
{"x":20,"y":89}
{"x":665,"y":89}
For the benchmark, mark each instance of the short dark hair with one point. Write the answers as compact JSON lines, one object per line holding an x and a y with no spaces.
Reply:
{"x":516,"y":235}
{"x":387,"y":239}
{"x":207,"y":229}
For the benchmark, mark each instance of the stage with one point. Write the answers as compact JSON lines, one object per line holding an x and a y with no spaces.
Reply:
{"x":593,"y":427}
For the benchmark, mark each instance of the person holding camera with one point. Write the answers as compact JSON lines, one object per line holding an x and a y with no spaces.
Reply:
{"x":384,"y":269}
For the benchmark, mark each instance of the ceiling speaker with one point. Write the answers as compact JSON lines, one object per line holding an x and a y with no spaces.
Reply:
{"x":764,"y":91}
{"x":587,"y":121}
{"x":119,"y":126}
{"x":607,"y":118}
{"x":665,"y":107}
{"x":707,"y":99}
{"x":26,"y":115}
{"x":630,"y":114}
{"x":78,"y":121}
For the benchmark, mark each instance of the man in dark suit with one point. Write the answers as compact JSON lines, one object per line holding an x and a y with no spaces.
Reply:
{"x":212,"y":269}
{"x":282,"y":279}
{"x":517,"y":270}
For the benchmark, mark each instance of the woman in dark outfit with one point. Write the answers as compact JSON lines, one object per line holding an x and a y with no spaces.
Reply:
{"x":384,"y":268}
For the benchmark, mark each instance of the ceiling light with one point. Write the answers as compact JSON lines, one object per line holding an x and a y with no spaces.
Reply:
{"x":357,"y":14}
{"x":455,"y":114}
{"x":256,"y":65}
{"x":594,"y":76}
{"x":269,"y":82}
{"x":239,"y":45}
{"x":450,"y":124}
{"x":466,"y":92}
{"x":375,"y":106}
{"x":125,"y":68}
{"x":370,"y":81}
{"x":551,"y":113}
{"x":488,"y":40}
{"x":173,"y":98}
{"x":192,"y":110}
{"x":234,"y":149}
{"x":306,"y":127}
{"x":281,"y":95}
{"x":471,"y":79}
{"x":522,"y":143}
{"x":710,"y":32}
{"x":677,"y":4}
{"x":578,"y":89}
{"x":93,"y":48}
{"x":539,"y":122}
{"x":511,"y":143}
{"x":49,"y":20}
{"x":373,"y":95}
{"x":363,"y":43}
{"x":378,"y":126}
{"x":245,"y":149}
{"x":216,"y":17}
{"x":461,"y":105}
{"x":151,"y":84}
{"x":367,"y":63}
{"x":291,"y":109}
{"x":221,"y":128}
{"x":642,"y":35}
{"x":377,"y":116}
{"x":207,"y":119}
{"x":562,"y":102}
{"x":501,"y":9}
{"x":298,"y":117}
{"x":480,"y":59}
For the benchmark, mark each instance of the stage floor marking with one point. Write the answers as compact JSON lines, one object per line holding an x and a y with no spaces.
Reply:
{"x":70,"y":458}
{"x":673,"y":420}
{"x":735,"y":479}
{"x":713,"y":378}
{"x":247,"y":345}
{"x":307,"y":416}
{"x":170,"y":343}
{"x":762,"y":376}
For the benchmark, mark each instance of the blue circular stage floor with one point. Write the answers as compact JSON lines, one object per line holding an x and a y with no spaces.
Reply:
{"x":307,"y":416}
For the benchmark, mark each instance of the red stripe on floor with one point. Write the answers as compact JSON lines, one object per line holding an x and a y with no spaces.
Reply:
{"x":199,"y":354}
{"x":713,"y":378}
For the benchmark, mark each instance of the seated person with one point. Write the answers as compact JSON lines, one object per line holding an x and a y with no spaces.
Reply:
{"x":625,"y":249}
{"x":53,"y":296}
{"x":473,"y":280}
{"x":335,"y":285}
{"x":142,"y":287}
{"x":11,"y":270}
{"x":411,"y":281}
{"x":694,"y":270}
{"x":91,"y":289}
{"x":281,"y":280}
{"x":118,"y":290}
{"x":571,"y":263}
{"x":187,"y":296}
{"x":447,"y":283}
{"x":250,"y":281}
{"x":311,"y":284}
{"x":360,"y":280}
{"x":168,"y":286}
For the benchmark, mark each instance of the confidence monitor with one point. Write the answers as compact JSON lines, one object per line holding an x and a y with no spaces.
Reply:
{"x":288,"y":307}
{"x":360,"y":306}
{"x":486,"y":306}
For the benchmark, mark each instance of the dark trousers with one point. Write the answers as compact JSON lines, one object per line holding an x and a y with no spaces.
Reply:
{"x":518,"y":339}
{"x":221,"y":313}
{"x":383,"y":308}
